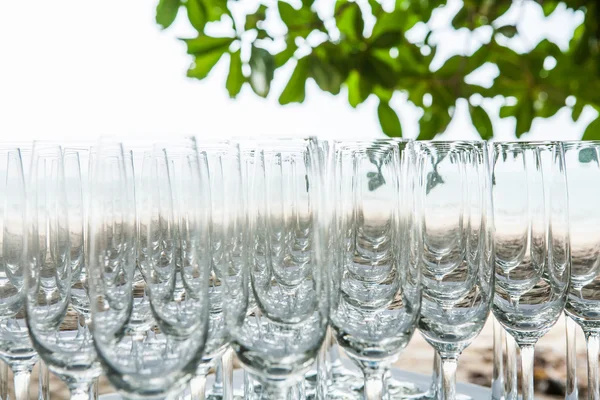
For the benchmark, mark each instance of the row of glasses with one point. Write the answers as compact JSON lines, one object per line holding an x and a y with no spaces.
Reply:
{"x":279,"y":300}
{"x":282,"y":322}
{"x":526,"y":253}
{"x":55,"y":254}
{"x":581,"y":308}
{"x":375,"y":292}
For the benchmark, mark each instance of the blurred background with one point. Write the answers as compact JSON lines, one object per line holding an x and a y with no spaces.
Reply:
{"x":82,"y":69}
{"x":422,"y":69}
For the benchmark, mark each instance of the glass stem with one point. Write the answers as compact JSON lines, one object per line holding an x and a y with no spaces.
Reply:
{"x":592,"y":339}
{"x":94,"y":390}
{"x":278,"y":392}
{"x":322,"y":373}
{"x":527,"y":354}
{"x":436,"y":378}
{"x":335,"y":366}
{"x":21,"y":382}
{"x":217,"y":387}
{"x":571,"y":388}
{"x":227,"y":371}
{"x":44,"y":381}
{"x":81,"y":391}
{"x":248,"y":387}
{"x":3,"y":381}
{"x":198,"y":386}
{"x":498,"y":370}
{"x":449,"y":365}
{"x":512,"y":369}
{"x":374,"y":384}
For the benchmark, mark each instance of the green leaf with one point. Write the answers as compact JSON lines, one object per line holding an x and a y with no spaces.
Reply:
{"x":411,"y":61}
{"x":253,"y":19}
{"x":297,"y":21}
{"x":451,"y":67}
{"x":356,"y":90}
{"x":482,"y":122}
{"x":387,"y":22}
{"x":582,"y":49}
{"x":207,"y":44}
{"x":525,"y":114}
{"x":592,"y":132}
{"x":376,"y":8}
{"x":215,"y":9}
{"x":433,"y":122}
{"x":235,"y":79}
{"x":508,"y":111}
{"x":196,"y":14}
{"x":349,"y":21}
{"x":508,"y":30}
{"x":461,"y":18}
{"x":203,"y":64}
{"x":284,"y":55}
{"x":262,"y":70}
{"x":388,"y":119}
{"x":327,"y":77}
{"x":577,"y":110}
{"x":549,"y":7}
{"x":379,"y":72}
{"x":207,"y":51}
{"x":387,"y":40}
{"x":166,"y":12}
{"x":295,"y":90}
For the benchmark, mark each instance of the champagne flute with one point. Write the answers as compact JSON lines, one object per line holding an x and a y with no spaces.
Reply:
{"x":457,"y":249}
{"x":15,"y":346}
{"x":533,"y":260}
{"x":583,"y":300}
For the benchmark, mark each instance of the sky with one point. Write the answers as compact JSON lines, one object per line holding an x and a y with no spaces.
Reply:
{"x":73,"y":69}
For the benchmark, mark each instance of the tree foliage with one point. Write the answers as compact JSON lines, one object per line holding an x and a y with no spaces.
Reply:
{"x":342,"y":50}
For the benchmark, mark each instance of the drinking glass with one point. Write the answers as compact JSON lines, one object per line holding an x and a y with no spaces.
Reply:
{"x":54,"y":255}
{"x":457,"y":256}
{"x":375,"y":289}
{"x":15,"y":346}
{"x":532,"y":261}
{"x":172,"y":251}
{"x":226,"y":239}
{"x":571,"y":389}
{"x":583,"y":299}
{"x":278,"y":327}
{"x":43,"y":373}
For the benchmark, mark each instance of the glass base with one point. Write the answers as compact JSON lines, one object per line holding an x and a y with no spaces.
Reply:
{"x":237,"y":395}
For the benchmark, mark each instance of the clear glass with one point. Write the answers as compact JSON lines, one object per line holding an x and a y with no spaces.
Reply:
{"x":173,"y":252}
{"x":583,"y":299}
{"x":532,"y":245}
{"x":77,"y":160}
{"x":457,"y":260}
{"x":498,"y":364}
{"x":142,"y":321}
{"x":224,"y":167}
{"x":16,"y":348}
{"x":43,"y":381}
{"x":511,"y":372}
{"x":278,"y":333}
{"x":571,"y":389}
{"x":55,"y":254}
{"x":375,"y":275}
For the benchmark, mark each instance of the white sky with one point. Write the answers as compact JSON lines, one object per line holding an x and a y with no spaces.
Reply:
{"x":79,"y":69}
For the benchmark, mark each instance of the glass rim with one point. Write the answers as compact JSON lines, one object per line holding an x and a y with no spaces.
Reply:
{"x":540,"y":144}
{"x":569,"y":144}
